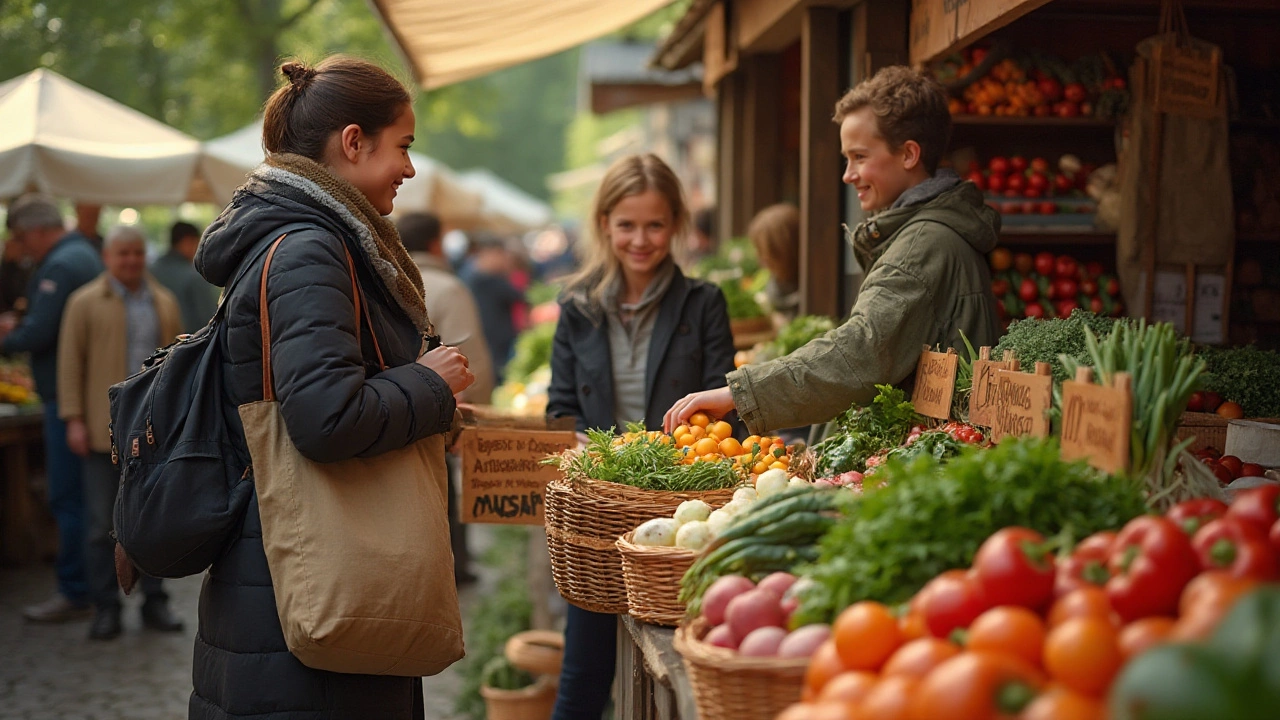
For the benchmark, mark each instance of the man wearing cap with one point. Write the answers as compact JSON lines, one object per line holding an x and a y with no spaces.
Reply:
{"x":64,"y":262}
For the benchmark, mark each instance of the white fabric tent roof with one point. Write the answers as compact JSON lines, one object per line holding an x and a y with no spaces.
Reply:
{"x":504,"y":201}
{"x":446,"y":41}
{"x":68,"y":141}
{"x":228,"y":159}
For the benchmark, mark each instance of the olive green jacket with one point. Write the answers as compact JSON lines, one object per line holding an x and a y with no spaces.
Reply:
{"x":926,"y":281}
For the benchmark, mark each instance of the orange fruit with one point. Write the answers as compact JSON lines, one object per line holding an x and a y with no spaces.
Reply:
{"x":777,"y":466}
{"x":701,"y":420}
{"x":698,"y":432}
{"x":711,"y":457}
{"x":686,"y":440}
{"x":1001,"y":259}
{"x":759,"y":468}
{"x":1230,"y":410}
{"x":682,"y":430}
{"x":730,"y":447}
{"x":1013,"y":630}
{"x":720,"y":429}
{"x":866,"y":634}
{"x":706,"y":445}
{"x":751,"y":440}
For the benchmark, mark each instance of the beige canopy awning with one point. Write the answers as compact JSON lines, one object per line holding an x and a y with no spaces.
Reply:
{"x":68,"y":141}
{"x":447,"y":41}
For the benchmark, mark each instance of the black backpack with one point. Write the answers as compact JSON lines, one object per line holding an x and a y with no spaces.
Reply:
{"x":185,"y":478}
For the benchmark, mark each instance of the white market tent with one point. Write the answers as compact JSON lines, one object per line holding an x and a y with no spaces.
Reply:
{"x":435,"y":188}
{"x":68,"y":141}
{"x":506,"y":203}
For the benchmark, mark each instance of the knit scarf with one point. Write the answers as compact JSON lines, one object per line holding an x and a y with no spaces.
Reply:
{"x":377,"y":235}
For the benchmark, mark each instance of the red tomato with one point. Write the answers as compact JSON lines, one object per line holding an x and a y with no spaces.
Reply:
{"x":1211,"y":401}
{"x":1066,"y":307}
{"x":1191,"y":515}
{"x":1088,"y":601}
{"x":976,"y":686}
{"x":1039,"y":165}
{"x":1237,"y":547}
{"x":1066,"y":267}
{"x":1096,"y":306}
{"x":919,"y":657}
{"x":1222,"y":473}
{"x":1034,"y":194}
{"x":1050,"y":88}
{"x":1086,"y":566}
{"x":1045,"y":263}
{"x":1016,"y":182}
{"x":1274,"y":537}
{"x":951,"y":600}
{"x":1141,"y":635}
{"x":1064,"y":288}
{"x":1017,"y":164}
{"x":1150,"y":564}
{"x":1024,"y":263}
{"x":1063,"y":183}
{"x":1196,"y":402}
{"x":1028,"y":291}
{"x":1252,"y":470}
{"x":1232,"y":463}
{"x":1047,"y":208}
{"x":978,"y":179}
{"x":996,"y":182}
{"x":1033,"y":310}
{"x":1038,"y":181}
{"x":1093,"y":269}
{"x":1013,"y":567}
{"x":1083,"y":654}
{"x":1089,"y":287}
{"x":1067,"y":109}
{"x":998,"y":165}
{"x":1075,"y":92}
{"x":1259,"y":506}
{"x":1000,"y":287}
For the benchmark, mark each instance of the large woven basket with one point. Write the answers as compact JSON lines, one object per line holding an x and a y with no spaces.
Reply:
{"x":652,"y":576}
{"x":584,"y":520}
{"x":728,"y":686}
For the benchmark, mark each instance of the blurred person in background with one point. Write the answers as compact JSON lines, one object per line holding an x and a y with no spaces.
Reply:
{"x":111,"y":326}
{"x":176,"y":271}
{"x":87,"y":217}
{"x":64,"y":261}
{"x":15,"y":274}
{"x":487,"y":274}
{"x":453,"y":310}
{"x":775,"y":233}
{"x":702,"y":242}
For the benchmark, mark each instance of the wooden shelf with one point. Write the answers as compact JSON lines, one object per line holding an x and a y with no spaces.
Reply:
{"x":1030,"y":122}
{"x":1018,"y":238}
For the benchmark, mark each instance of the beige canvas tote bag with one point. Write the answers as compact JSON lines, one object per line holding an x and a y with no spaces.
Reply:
{"x":358,"y":549}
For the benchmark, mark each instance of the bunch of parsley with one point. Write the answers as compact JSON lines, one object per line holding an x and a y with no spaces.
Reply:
{"x":1246,"y":375}
{"x":1035,"y":341}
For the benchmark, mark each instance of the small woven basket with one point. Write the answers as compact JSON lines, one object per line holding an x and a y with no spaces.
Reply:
{"x":584,"y":520}
{"x":1209,"y":430}
{"x":535,"y":702}
{"x":652,"y":576}
{"x":728,"y":686}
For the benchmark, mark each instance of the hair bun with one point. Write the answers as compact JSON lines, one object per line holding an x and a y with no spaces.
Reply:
{"x":297,"y":72}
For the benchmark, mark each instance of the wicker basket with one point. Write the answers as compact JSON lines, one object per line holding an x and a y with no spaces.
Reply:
{"x":584,"y":520}
{"x":1209,"y":429}
{"x":535,"y":702}
{"x":728,"y":686}
{"x":652,"y":576}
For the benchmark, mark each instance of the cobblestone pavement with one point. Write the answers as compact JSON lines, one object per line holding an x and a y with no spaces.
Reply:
{"x":53,"y":672}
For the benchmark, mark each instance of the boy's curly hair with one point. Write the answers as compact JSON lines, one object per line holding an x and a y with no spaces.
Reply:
{"x":908,"y":105}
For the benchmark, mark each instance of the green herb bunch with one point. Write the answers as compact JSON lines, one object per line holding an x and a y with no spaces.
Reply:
{"x":1246,"y":375}
{"x":866,"y":431}
{"x":1164,"y":374}
{"x":741,"y":301}
{"x":795,"y":335}
{"x":928,"y":518}
{"x":645,"y":462}
{"x":1035,"y":341}
{"x":532,"y":351}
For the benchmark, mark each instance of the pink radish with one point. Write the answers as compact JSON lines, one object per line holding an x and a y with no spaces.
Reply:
{"x":752,"y":610}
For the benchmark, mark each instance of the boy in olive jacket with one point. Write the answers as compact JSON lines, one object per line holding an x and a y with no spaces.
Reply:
{"x":922,"y":246}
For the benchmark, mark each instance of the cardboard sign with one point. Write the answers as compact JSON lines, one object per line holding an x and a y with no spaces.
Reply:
{"x":1186,"y":79}
{"x":935,"y":383}
{"x":503,"y":479}
{"x":1021,"y":403}
{"x":983,"y":389}
{"x":1096,"y":421}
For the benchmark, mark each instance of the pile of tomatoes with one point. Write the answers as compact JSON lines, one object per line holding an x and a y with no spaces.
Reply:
{"x":1028,"y":635}
{"x":1045,"y":285}
{"x":1228,"y":468}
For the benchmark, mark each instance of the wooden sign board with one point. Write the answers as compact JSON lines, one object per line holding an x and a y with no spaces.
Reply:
{"x":982,"y":392}
{"x":1021,"y":403}
{"x":1096,"y":421}
{"x":935,"y":383}
{"x":940,"y":26}
{"x":1186,"y":79}
{"x":503,"y":479}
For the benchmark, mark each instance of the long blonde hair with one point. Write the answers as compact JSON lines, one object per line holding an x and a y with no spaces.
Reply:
{"x":631,"y":175}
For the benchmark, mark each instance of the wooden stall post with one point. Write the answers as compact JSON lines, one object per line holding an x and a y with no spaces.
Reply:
{"x":820,"y":267}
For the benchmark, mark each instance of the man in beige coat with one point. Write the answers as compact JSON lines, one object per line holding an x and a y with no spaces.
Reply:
{"x":453,"y":310}
{"x":111,"y":325}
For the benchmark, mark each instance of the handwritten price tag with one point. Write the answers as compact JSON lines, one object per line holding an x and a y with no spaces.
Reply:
{"x":935,"y":383}
{"x":503,"y":479}
{"x":983,"y":390}
{"x":1021,"y":403}
{"x":1096,"y":421}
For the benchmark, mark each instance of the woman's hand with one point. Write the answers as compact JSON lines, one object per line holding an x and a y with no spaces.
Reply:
{"x":450,"y":365}
{"x":716,"y":403}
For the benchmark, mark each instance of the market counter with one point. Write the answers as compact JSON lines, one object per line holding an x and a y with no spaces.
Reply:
{"x":652,"y":684}
{"x":21,"y":536}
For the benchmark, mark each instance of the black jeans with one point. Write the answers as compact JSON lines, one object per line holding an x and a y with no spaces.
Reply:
{"x":101,"y":480}
{"x":586,"y":674}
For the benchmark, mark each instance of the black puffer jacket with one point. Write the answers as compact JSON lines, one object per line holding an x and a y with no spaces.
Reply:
{"x":336,"y":404}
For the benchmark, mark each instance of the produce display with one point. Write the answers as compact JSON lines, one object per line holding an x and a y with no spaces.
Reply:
{"x":862,"y":432}
{"x":528,"y":373}
{"x":646,"y":460}
{"x":1228,"y":468}
{"x":1018,"y":186}
{"x":777,"y":533}
{"x":997,"y":82}
{"x":705,"y":440}
{"x":16,"y":385}
{"x":931,"y":517}
{"x":1048,"y":286}
{"x":1049,"y":340}
{"x":1125,"y":624}
{"x":1247,"y":377}
{"x":752,"y":618}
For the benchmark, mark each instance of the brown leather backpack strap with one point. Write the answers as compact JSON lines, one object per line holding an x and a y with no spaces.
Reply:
{"x":362,"y":307}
